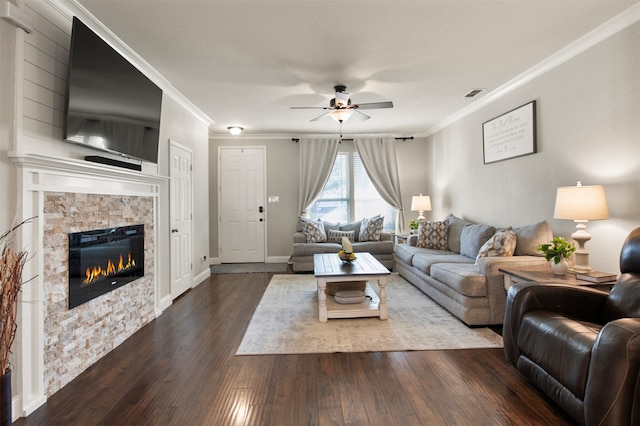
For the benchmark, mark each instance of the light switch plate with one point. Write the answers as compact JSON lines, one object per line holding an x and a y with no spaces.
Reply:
{"x":274,"y":198}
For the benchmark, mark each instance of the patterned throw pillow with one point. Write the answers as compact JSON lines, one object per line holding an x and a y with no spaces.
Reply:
{"x":503,"y":243}
{"x":335,"y":236}
{"x":313,"y":231}
{"x":432,"y":235}
{"x":371,"y":228}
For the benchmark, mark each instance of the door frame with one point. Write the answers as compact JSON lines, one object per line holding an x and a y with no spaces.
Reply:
{"x":173,"y":142}
{"x":264,"y":191}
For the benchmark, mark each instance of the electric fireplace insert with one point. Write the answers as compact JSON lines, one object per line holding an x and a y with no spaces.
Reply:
{"x":103,"y":260}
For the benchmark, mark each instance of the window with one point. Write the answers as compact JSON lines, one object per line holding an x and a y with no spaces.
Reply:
{"x":349,"y":195}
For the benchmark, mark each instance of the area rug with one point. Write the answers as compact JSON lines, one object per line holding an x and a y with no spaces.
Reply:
{"x":286,"y":322}
{"x":248,"y":268}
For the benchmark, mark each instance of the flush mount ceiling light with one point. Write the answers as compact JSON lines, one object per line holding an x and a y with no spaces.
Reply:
{"x":235,"y":130}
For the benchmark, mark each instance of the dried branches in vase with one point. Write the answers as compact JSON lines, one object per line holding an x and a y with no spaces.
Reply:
{"x":11,"y":266}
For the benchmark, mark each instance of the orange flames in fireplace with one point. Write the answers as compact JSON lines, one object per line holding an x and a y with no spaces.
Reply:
{"x":95,"y":273}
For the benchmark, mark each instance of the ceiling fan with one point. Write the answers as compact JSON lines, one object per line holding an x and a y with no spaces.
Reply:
{"x":340,"y":108}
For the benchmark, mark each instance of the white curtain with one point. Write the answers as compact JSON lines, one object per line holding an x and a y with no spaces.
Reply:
{"x":316,"y":161}
{"x":379,"y":160}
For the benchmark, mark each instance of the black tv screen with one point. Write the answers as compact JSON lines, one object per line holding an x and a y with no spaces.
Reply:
{"x":111,"y":105}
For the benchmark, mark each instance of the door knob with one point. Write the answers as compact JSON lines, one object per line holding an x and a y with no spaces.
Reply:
{"x":174,"y":230}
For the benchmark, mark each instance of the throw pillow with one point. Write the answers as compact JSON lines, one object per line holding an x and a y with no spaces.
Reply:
{"x":313,"y":230}
{"x":455,"y":226}
{"x":432,"y":235}
{"x":530,"y":236}
{"x":503,"y":243}
{"x":335,"y":236}
{"x":473,"y":237}
{"x":371,"y":228}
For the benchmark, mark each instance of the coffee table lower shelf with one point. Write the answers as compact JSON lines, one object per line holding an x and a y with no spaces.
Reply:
{"x":368,"y":308}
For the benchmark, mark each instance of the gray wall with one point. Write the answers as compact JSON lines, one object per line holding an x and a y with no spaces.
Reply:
{"x":282,"y":180}
{"x":588,"y":124}
{"x":588,"y":129}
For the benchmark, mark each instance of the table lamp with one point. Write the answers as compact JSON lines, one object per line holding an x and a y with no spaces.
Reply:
{"x":581,"y":204}
{"x":420,"y":203}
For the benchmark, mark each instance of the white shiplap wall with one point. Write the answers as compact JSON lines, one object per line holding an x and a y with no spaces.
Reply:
{"x":46,"y":53}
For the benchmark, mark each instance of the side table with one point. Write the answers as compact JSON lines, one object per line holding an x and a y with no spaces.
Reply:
{"x":544,"y":276}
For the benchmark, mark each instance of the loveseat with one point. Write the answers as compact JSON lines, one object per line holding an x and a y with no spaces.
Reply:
{"x":305,"y":244}
{"x":450,"y":271}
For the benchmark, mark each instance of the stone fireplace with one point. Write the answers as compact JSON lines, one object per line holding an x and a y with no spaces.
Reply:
{"x":71,"y":198}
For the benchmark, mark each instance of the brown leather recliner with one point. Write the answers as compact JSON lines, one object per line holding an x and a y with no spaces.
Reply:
{"x":579,"y":346}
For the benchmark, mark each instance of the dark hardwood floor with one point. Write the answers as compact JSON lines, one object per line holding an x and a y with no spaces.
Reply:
{"x":181,"y":370}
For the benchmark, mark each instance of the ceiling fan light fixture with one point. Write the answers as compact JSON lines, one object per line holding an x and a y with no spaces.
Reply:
{"x":341,"y":115}
{"x":235,"y":130}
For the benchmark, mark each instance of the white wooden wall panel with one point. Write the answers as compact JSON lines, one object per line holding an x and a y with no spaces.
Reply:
{"x":46,"y":52}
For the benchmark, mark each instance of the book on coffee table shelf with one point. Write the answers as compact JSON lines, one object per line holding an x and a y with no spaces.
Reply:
{"x":596,"y":277}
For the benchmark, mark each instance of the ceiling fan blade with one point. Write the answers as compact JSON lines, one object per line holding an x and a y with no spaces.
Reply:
{"x":309,"y":108}
{"x":363,"y":116}
{"x":319,"y":117}
{"x":375,"y":105}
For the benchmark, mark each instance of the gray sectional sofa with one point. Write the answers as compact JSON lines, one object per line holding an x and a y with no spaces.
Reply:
{"x":303,"y":252}
{"x":473,"y":293}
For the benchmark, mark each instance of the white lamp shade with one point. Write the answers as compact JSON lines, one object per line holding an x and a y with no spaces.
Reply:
{"x":420,"y":203}
{"x":581,"y":203}
{"x":341,"y":115}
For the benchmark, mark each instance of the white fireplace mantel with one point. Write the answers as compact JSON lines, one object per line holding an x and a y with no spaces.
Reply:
{"x":36,"y":175}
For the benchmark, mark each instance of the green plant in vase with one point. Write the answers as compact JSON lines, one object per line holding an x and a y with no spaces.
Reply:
{"x":413,"y":225}
{"x":557,"y":252}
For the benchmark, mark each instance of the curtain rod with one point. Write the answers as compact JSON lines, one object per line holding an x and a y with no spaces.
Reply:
{"x":406,"y":138}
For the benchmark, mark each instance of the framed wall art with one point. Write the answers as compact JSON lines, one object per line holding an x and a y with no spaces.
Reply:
{"x":512,"y":134}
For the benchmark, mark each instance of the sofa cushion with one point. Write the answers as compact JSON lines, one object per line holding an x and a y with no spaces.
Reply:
{"x":309,"y":249}
{"x":528,"y":238}
{"x":371,"y":228}
{"x":461,"y":277}
{"x":455,"y":225}
{"x":502,"y":243}
{"x":432,"y":235}
{"x":425,"y":261}
{"x":313,"y":230}
{"x":352,"y":226}
{"x":335,"y":236}
{"x":405,"y":252}
{"x":473,"y":237}
{"x":373,"y":247}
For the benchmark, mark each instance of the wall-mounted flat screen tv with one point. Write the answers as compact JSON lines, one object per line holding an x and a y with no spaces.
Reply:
{"x":111,"y":105}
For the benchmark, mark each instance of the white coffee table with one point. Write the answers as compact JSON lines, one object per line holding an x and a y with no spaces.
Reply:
{"x":329,"y":268}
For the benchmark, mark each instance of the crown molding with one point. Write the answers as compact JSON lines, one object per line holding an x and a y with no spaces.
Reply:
{"x":592,"y":38}
{"x":71,"y":8}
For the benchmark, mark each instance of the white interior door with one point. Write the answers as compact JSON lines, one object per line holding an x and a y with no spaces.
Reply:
{"x":241,"y":204}
{"x":181,"y":208}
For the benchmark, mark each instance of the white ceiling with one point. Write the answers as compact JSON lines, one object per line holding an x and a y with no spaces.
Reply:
{"x":244,"y":62}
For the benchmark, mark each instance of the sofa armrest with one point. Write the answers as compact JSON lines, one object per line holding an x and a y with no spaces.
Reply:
{"x":612,"y":395}
{"x":490,"y":266}
{"x":412,"y":240}
{"x":577,"y":302}
{"x":298,"y":237}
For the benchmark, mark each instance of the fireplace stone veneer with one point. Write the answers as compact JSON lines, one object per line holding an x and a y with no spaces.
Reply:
{"x":75,"y":339}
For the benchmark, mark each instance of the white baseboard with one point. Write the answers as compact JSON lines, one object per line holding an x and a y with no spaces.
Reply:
{"x":269,"y":259}
{"x":198,"y":279}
